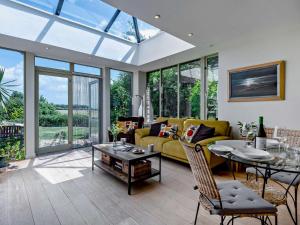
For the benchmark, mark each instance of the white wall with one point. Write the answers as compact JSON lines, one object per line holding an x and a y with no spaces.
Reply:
{"x":272,"y":47}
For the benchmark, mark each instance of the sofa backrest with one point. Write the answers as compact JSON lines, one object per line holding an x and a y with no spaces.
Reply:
{"x":139,"y":120}
{"x":222,"y":128}
{"x":171,"y":121}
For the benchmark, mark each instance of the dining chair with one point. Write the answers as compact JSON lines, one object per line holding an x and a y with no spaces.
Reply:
{"x":226,"y":199}
{"x":292,"y":180}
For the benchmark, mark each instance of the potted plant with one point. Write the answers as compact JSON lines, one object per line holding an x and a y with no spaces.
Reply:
{"x":115,"y":130}
{"x":247,"y":130}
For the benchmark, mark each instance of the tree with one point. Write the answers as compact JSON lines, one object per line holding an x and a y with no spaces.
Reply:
{"x":14,"y":108}
{"x":5,"y":89}
{"x":120,"y":93}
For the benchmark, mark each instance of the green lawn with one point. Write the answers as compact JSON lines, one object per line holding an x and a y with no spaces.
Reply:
{"x":48,"y":133}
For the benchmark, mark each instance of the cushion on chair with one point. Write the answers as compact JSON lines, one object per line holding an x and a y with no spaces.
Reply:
{"x":283,"y":177}
{"x":238,"y":199}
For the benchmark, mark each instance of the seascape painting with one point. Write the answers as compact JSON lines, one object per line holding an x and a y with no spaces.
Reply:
{"x":256,"y":83}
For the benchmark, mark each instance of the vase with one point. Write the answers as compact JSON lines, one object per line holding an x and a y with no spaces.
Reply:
{"x":115,"y":140}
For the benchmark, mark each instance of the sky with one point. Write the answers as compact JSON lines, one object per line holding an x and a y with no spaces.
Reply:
{"x":96,"y":14}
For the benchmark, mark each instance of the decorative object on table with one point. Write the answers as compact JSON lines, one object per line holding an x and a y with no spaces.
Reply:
{"x":151,"y":147}
{"x":115,"y":130}
{"x":264,"y":82}
{"x":129,"y":125}
{"x":247,"y":130}
{"x":123,"y":141}
{"x":261,"y":137}
{"x":138,"y":151}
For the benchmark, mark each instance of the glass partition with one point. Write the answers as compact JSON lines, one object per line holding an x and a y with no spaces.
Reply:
{"x":12,"y":104}
{"x":120,"y":94}
{"x":212,"y":87}
{"x":87,"y":70}
{"x":85,"y":111}
{"x":169,"y":83}
{"x":153,"y":82}
{"x":93,"y":13}
{"x":190,"y":89}
{"x":51,"y":63}
{"x":53,"y":111}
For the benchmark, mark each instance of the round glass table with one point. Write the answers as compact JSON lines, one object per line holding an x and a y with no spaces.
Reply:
{"x":282,"y":165}
{"x":283,"y":160}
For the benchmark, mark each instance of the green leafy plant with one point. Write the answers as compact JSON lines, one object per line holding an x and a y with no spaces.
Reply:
{"x":12,"y":149}
{"x":247,"y":128}
{"x":5,"y":89}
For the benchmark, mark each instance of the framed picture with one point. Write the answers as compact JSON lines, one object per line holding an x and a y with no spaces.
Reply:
{"x":264,"y":82}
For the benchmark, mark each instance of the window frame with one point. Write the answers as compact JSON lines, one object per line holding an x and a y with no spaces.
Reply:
{"x":204,"y":85}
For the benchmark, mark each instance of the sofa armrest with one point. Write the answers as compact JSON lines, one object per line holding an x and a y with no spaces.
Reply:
{"x":205,"y":142}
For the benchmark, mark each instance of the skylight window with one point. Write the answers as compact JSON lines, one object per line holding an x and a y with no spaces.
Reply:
{"x":98,"y":15}
{"x":123,"y":27}
{"x":93,"y":13}
{"x":46,"y":5}
{"x":146,"y":30}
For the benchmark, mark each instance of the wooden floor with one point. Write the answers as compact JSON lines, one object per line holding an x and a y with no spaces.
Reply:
{"x":61,"y":189}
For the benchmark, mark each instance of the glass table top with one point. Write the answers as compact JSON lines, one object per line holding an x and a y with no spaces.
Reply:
{"x":284,"y":159}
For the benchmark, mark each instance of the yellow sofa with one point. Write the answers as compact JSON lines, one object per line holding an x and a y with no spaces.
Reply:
{"x":173,"y":149}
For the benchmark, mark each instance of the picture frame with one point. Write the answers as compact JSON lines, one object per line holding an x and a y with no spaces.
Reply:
{"x":263,"y":82}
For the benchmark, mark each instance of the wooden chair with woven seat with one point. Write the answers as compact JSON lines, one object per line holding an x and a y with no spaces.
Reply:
{"x":289,"y":179}
{"x":226,"y":199}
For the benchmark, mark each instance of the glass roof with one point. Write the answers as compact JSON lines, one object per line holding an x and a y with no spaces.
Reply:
{"x":46,"y":5}
{"x":123,"y":27}
{"x":98,"y":15}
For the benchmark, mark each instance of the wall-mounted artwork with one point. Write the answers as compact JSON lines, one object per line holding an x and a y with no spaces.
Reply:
{"x":264,"y":82}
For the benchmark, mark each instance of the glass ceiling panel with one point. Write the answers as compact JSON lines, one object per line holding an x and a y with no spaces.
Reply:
{"x":46,"y":5}
{"x":93,"y":13}
{"x":123,"y":27}
{"x":146,"y":30}
{"x":97,"y":14}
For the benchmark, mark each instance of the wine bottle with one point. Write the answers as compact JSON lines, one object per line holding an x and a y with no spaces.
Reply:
{"x":261,"y":138}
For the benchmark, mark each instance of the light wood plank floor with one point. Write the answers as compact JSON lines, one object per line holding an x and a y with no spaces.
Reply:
{"x":61,"y":189}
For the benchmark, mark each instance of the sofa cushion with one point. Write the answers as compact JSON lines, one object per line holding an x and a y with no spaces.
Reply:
{"x":173,"y":121}
{"x":174,"y":148}
{"x":155,"y":128}
{"x":203,"y":132}
{"x":221,"y":127}
{"x":157,"y":141}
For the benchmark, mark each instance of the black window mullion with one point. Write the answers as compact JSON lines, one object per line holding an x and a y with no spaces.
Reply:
{"x":59,"y":7}
{"x":136,"y":29}
{"x":112,"y":20}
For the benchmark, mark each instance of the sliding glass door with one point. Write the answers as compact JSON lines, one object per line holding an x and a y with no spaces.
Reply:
{"x":54,"y":111}
{"x":85,"y":111}
{"x":68,"y":112}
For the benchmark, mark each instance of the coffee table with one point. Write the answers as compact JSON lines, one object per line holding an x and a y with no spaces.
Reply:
{"x":128,"y":157}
